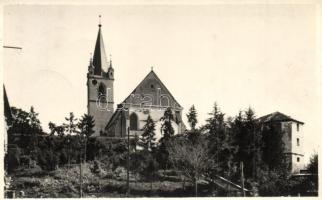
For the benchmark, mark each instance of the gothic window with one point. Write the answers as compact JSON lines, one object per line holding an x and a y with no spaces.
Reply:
{"x":298,"y":159}
{"x":164,"y":101}
{"x":298,"y":141}
{"x":298,"y":127}
{"x":133,"y":122}
{"x":101,"y":89}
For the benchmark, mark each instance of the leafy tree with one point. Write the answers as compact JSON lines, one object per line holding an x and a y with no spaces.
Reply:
{"x":27,"y":126}
{"x":20,"y":125}
{"x":188,"y":157}
{"x":34,"y":122}
{"x":313,"y":165}
{"x":311,"y":182}
{"x":52,"y":128}
{"x":86,"y":127}
{"x":60,"y":130}
{"x":147,"y":139}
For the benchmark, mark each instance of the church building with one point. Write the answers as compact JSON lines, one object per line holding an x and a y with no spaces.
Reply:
{"x":150,"y":97}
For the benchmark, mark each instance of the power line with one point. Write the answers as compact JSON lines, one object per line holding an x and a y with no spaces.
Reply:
{"x":12,"y":47}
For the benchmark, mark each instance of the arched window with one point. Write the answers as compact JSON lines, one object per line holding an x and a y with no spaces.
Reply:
{"x":101,"y":89}
{"x":133,"y":122}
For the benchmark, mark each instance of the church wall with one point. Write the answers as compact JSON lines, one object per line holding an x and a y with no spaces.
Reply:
{"x":156,"y":115}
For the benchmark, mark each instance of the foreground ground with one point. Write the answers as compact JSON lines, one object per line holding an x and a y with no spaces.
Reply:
{"x":65,"y":182}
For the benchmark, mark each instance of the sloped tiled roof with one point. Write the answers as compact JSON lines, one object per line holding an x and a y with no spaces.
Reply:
{"x":115,"y":115}
{"x":152,"y":75}
{"x":7,"y":109}
{"x":276,"y":116}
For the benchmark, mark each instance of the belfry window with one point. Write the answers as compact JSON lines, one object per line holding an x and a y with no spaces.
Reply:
{"x":133,"y":122}
{"x":101,"y":89}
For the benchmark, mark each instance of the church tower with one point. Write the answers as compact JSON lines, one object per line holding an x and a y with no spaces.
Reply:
{"x":100,"y":92}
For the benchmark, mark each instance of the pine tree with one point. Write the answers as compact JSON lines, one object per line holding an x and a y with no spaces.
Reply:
{"x":36,"y":129}
{"x":70,"y":128}
{"x":192,"y":117}
{"x":86,"y":129}
{"x":168,"y":132}
{"x":166,"y":127}
{"x":248,"y":142}
{"x":273,"y":147}
{"x":147,"y":139}
{"x":219,"y":143}
{"x":71,"y":124}
{"x":193,"y":134}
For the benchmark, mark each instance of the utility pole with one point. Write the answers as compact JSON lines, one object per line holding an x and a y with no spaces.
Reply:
{"x":128,"y":162}
{"x":242,"y":178}
{"x":80,"y":178}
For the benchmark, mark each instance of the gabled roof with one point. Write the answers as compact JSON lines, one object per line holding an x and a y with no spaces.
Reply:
{"x":151,"y":75}
{"x":7,"y":109}
{"x":120,"y":110}
{"x":99,"y":58}
{"x":276,"y":117}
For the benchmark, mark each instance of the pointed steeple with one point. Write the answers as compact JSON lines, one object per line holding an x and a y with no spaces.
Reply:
{"x":7,"y":109}
{"x":99,"y":58}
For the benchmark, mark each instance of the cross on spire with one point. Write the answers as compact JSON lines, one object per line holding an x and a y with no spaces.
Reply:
{"x":99,"y":24}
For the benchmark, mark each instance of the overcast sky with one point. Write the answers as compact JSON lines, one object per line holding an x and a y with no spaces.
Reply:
{"x":263,"y":56}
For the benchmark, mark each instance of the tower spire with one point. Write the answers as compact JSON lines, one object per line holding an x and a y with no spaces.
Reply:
{"x":99,"y":58}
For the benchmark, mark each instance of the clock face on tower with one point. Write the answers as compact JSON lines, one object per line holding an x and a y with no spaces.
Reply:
{"x":94,"y":82}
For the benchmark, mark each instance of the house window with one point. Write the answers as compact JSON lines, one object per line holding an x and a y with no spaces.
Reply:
{"x":298,"y":127}
{"x":133,"y":122}
{"x":298,"y":159}
{"x":297,"y":141}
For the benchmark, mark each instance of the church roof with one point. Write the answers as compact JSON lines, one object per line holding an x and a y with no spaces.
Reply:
{"x":276,"y":117}
{"x":99,"y":58}
{"x":152,"y":75}
{"x":120,"y":110}
{"x":7,"y":109}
